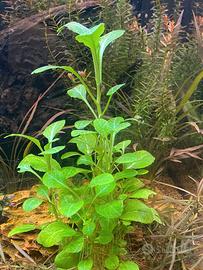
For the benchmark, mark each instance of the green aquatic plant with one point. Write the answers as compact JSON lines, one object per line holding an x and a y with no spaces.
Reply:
{"x":96,"y":201}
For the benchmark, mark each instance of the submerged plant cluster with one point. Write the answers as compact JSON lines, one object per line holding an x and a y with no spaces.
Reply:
{"x":95,"y":190}
{"x":95,"y":210}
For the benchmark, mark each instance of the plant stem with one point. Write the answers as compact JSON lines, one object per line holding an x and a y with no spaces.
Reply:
{"x":98,"y":79}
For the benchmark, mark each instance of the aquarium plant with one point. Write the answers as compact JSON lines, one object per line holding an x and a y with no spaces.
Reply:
{"x":96,"y":201}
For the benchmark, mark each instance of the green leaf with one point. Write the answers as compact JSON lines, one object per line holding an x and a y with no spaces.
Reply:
{"x":66,"y":260}
{"x":143,"y":193}
{"x":52,"y":130}
{"x":85,"y":143}
{"x":45,"y":68}
{"x":88,"y":228}
{"x":25,"y":166}
{"x":75,"y":133}
{"x":54,"y":179}
{"x":85,"y":264}
{"x":69,"y":172}
{"x":31,"y":203}
{"x":121,"y":146}
{"x":111,"y":209}
{"x":111,"y":262}
{"x":188,"y":94}
{"x":136,"y":210}
{"x":30,"y":138}
{"x":104,"y":184}
{"x":22,"y":229}
{"x":52,"y":150}
{"x":108,"y":39}
{"x":125,"y":174}
{"x":105,"y":237}
{"x":78,"y":92}
{"x":136,"y":160}
{"x":102,"y":179}
{"x":117,"y":124}
{"x":75,"y":27}
{"x":133,"y":185}
{"x":70,"y":154}
{"x":75,"y":245}
{"x":102,"y":127}
{"x":128,"y":265}
{"x":58,"y":178}
{"x":142,"y":172}
{"x":104,"y":190}
{"x":114,"y":89}
{"x":68,"y":206}
{"x":54,"y":233}
{"x":85,"y":160}
{"x":43,"y":191}
{"x":107,"y":227}
{"x":82,"y":124}
{"x":37,"y":163}
{"x":92,"y":37}
{"x":107,"y":224}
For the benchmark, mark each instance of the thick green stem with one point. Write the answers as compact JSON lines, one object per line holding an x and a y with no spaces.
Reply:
{"x":98,"y":80}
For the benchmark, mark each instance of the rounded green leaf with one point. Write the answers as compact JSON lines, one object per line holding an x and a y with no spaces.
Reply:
{"x":22,"y":229}
{"x":55,"y":179}
{"x":136,"y":210}
{"x":31,"y":203}
{"x":75,"y":245}
{"x":82,"y":124}
{"x":54,"y":233}
{"x":112,"y":262}
{"x":52,"y":150}
{"x":128,"y":265}
{"x":69,"y":172}
{"x":68,"y":206}
{"x":42,"y":191}
{"x":136,"y":160}
{"x":86,"y":143}
{"x":143,"y":193}
{"x":117,"y":124}
{"x":121,"y":146}
{"x":110,"y":210}
{"x":85,"y":160}
{"x":69,"y":154}
{"x":104,"y":184}
{"x":79,"y":132}
{"x":102,"y":127}
{"x":104,"y":190}
{"x":78,"y":92}
{"x":125,"y":174}
{"x":105,"y":237}
{"x":85,"y":264}
{"x":66,"y":260}
{"x":92,"y":37}
{"x":102,"y":179}
{"x":37,"y":163}
{"x":88,"y":228}
{"x":52,"y":130}
{"x":132,"y":185}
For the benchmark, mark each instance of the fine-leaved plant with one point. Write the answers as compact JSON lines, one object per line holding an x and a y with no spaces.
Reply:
{"x":95,"y":210}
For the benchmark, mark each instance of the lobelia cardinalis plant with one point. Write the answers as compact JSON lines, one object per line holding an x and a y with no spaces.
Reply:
{"x":94,"y":212}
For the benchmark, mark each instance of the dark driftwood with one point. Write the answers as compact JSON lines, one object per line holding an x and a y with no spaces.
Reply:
{"x":23,"y":47}
{"x":27,"y":23}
